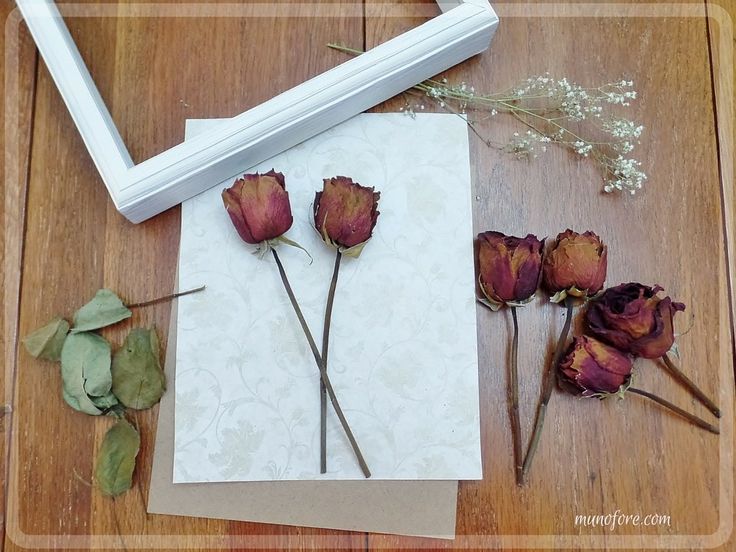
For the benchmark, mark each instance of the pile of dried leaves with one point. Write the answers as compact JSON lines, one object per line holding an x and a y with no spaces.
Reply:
{"x":97,"y":381}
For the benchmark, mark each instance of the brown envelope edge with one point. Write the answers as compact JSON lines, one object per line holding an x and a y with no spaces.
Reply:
{"x":413,"y":508}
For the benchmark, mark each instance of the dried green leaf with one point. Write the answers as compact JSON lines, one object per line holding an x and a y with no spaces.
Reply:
{"x":137,"y":379}
{"x":105,"y":402}
{"x":116,"y":459}
{"x":82,"y":403}
{"x":104,"y":309}
{"x":85,"y":370}
{"x":46,"y":342}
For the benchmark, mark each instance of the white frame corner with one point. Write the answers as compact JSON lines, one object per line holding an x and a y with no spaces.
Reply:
{"x":464,"y":29}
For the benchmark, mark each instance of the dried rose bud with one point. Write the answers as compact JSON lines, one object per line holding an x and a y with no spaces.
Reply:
{"x":592,"y":368}
{"x":575,"y":266}
{"x":509,"y":267}
{"x":632,"y":318}
{"x":258,"y":205}
{"x":345,"y":213}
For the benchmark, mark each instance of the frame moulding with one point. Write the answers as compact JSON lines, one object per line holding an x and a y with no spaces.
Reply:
{"x":464,"y":29}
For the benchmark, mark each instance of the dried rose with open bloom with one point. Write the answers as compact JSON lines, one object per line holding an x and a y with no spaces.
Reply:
{"x":575,"y":266}
{"x":258,"y":205}
{"x":592,"y":368}
{"x":345,"y":213}
{"x":633,"y":318}
{"x":509,"y":267}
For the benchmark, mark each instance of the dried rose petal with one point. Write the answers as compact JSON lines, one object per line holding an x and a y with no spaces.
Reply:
{"x":509,"y":267}
{"x":576,"y":265}
{"x":345,"y":212}
{"x":593,"y":368}
{"x":258,"y":205}
{"x":633,"y":318}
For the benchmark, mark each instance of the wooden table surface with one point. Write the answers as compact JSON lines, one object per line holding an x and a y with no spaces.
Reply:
{"x":63,"y":239}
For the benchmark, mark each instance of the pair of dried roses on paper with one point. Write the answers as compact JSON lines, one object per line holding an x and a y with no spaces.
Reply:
{"x":344,"y":215}
{"x":626,"y":321}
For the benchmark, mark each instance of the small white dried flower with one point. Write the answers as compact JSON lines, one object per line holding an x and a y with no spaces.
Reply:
{"x":626,"y":175}
{"x":622,"y":128}
{"x":582,"y":148}
{"x":521,"y":146}
{"x":549,"y":106}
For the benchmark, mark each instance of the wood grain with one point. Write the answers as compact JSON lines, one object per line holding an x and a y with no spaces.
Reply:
{"x":19,"y":68}
{"x":721,"y":34}
{"x":74,"y":233}
{"x":599,"y":457}
{"x":594,"y":458}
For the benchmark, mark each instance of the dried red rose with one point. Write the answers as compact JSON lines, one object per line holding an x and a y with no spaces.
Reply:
{"x":633,"y":318}
{"x":575,"y":266}
{"x":509,"y":267}
{"x":258,"y":205}
{"x":592,"y":368}
{"x":345,"y":213}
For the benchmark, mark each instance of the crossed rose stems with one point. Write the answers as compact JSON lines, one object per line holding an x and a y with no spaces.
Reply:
{"x":627,"y":321}
{"x":325,"y":384}
{"x":345,"y":214}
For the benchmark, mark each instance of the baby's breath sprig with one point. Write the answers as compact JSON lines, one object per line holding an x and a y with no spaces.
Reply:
{"x":554,"y":111}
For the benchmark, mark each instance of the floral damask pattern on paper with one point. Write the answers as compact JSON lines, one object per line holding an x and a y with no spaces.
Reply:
{"x":236,"y":454}
{"x":403,"y":355}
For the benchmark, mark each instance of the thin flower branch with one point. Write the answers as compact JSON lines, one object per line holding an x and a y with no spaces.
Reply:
{"x":514,"y":401}
{"x":676,"y":409}
{"x":554,"y":111}
{"x":325,"y":347}
{"x":318,"y":359}
{"x":688,"y":383}
{"x":547,"y":385}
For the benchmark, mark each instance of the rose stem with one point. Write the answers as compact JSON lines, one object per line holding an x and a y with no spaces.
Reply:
{"x":165,"y":298}
{"x":688,"y":383}
{"x":318,"y":359}
{"x":514,"y":400}
{"x":325,"y":346}
{"x":547,"y":385}
{"x":691,"y":417}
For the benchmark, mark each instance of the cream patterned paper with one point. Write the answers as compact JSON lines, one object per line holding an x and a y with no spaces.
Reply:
{"x":403,"y":355}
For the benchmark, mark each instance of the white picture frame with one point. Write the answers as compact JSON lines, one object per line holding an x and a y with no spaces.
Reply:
{"x":140,"y":191}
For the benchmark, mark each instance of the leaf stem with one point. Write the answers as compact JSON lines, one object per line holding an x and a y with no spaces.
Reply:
{"x":318,"y":359}
{"x":688,"y":383}
{"x":325,"y":347}
{"x":166,"y":298}
{"x":547,"y":385}
{"x":667,"y":404}
{"x":513,"y":392}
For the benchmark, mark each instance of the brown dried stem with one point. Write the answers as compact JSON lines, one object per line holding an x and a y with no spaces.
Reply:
{"x":513,"y":392}
{"x":688,"y":383}
{"x":676,"y":409}
{"x":547,"y":386}
{"x":318,"y":359}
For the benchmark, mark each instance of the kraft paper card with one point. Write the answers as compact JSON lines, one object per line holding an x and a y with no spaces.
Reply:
{"x":415,"y":508}
{"x":403,"y":355}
